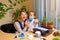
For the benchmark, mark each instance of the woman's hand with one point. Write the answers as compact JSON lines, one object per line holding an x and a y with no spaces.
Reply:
{"x":27,"y":24}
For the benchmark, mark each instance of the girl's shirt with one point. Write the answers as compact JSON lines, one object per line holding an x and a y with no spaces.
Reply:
{"x":32,"y":25}
{"x":18,"y":26}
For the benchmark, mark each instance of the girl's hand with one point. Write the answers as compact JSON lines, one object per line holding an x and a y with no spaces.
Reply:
{"x":31,"y":31}
{"x":35,"y":21}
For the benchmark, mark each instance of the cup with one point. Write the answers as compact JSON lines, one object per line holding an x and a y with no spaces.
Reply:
{"x":38,"y":33}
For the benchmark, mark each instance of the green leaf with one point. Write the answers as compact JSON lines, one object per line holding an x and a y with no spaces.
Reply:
{"x":22,"y":1}
{"x":25,"y":0}
{"x":55,"y":39}
{"x":10,"y":5}
{"x":14,"y":4}
{"x":1,"y":4}
{"x":58,"y":15}
{"x":18,"y":2}
{"x":50,"y":21}
{"x":10,"y":1}
{"x":8,"y":9}
{"x":15,"y":0}
{"x":5,"y":5}
{"x":23,"y":8}
{"x":15,"y":14}
{"x":2,"y":14}
{"x":2,"y":8}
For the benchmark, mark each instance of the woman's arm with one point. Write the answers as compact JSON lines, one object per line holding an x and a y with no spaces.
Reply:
{"x":17,"y":27}
{"x":26,"y":26}
{"x":25,"y":29}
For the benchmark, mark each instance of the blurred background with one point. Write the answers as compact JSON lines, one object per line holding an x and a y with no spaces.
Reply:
{"x":48,"y":8}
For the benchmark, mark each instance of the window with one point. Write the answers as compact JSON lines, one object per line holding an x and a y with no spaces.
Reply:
{"x":48,"y":8}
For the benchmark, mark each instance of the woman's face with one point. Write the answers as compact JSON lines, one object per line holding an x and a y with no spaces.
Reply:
{"x":23,"y":16}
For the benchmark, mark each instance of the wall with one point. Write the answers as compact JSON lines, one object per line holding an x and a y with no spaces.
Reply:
{"x":39,"y":8}
{"x":8,"y":18}
{"x":58,"y":6}
{"x":53,"y":5}
{"x":57,"y":13}
{"x":53,"y":9}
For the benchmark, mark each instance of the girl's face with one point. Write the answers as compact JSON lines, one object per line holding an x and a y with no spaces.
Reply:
{"x":31,"y":14}
{"x":23,"y":16}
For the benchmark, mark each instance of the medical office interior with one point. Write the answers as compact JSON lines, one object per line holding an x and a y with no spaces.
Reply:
{"x":45,"y":9}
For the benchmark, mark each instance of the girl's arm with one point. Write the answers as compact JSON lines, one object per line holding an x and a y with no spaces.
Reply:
{"x":36,"y":25}
{"x":35,"y":22}
{"x":17,"y":27}
{"x":26,"y":26}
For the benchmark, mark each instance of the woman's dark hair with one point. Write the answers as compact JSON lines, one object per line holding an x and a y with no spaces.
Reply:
{"x":23,"y":11}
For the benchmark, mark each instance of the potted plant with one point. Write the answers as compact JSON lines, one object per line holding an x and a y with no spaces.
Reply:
{"x":43,"y":22}
{"x":50,"y":24}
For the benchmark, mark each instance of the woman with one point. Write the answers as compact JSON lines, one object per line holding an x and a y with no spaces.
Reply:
{"x":21,"y":24}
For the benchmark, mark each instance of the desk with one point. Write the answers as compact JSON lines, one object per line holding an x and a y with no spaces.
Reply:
{"x":10,"y":36}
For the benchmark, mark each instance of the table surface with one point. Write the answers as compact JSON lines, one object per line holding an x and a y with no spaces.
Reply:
{"x":10,"y":36}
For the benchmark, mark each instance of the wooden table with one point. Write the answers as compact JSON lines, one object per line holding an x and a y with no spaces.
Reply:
{"x":10,"y":36}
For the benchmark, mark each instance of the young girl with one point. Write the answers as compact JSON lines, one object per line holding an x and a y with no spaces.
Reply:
{"x":34,"y":24}
{"x":32,"y":21}
{"x":21,"y":24}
